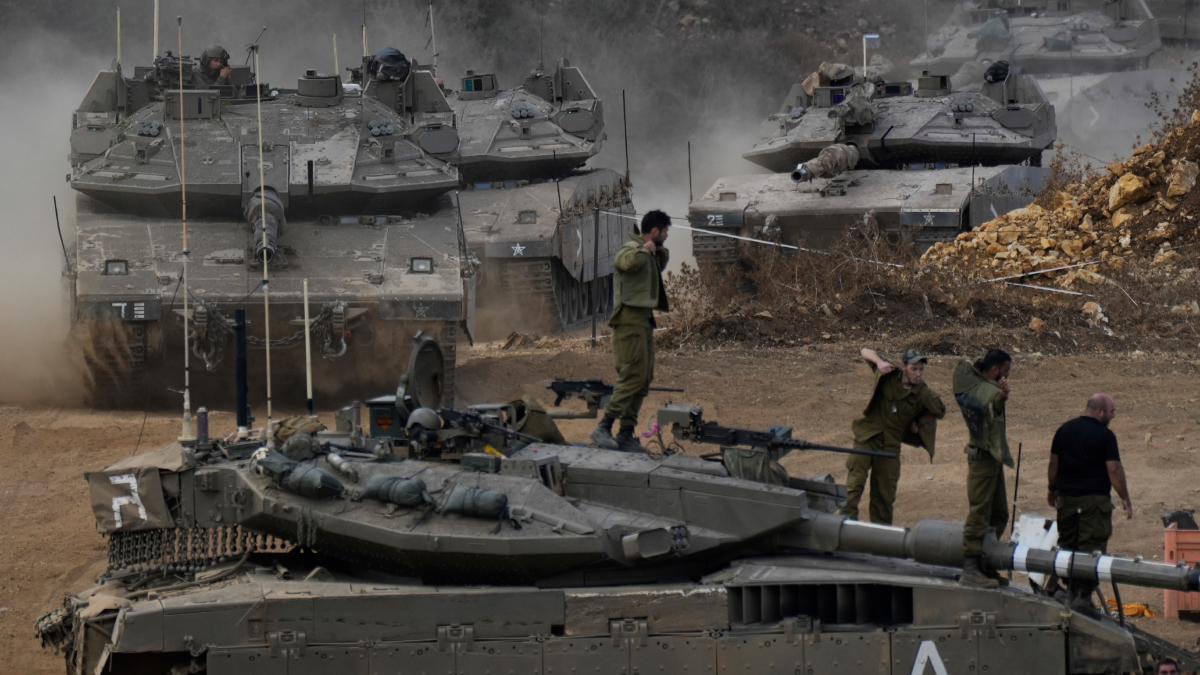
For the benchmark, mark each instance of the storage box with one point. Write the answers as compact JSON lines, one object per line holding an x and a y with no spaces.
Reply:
{"x":1181,"y":545}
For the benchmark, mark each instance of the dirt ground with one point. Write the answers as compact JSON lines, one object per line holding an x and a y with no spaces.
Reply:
{"x":50,"y":546}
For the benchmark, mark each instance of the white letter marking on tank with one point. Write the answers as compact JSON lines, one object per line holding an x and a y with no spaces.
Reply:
{"x":926,"y":654}
{"x":133,"y":498}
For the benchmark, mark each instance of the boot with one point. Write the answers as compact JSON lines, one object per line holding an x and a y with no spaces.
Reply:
{"x":992,"y":574}
{"x":602,"y":435}
{"x":972,"y":574}
{"x":627,"y":442}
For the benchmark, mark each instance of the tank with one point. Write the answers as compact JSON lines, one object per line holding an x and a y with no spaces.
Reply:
{"x":815,"y":208}
{"x":544,"y":227}
{"x":1000,"y":118}
{"x":1177,"y":20}
{"x":347,"y":196}
{"x":448,"y":541}
{"x":550,"y":125}
{"x":1044,"y":36}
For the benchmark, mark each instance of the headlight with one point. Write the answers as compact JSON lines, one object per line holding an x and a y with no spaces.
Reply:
{"x":421,"y":265}
{"x":116,"y":267}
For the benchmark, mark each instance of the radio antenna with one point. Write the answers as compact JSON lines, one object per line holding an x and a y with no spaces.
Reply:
{"x":252,"y":47}
{"x":155,"y":31}
{"x":364,"y":29}
{"x":187,"y":347}
{"x":336,"y":71}
{"x":433,"y":37}
{"x":308,"y":352}
{"x":118,"y":37}
{"x":625,"y":123}
{"x":262,"y":198}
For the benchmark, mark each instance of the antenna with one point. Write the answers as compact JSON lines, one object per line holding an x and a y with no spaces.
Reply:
{"x":433,"y":37}
{"x":690,"y":197}
{"x":336,"y":71}
{"x":58,"y":224}
{"x":155,"y":31}
{"x":364,"y":29}
{"x":118,"y":36}
{"x":252,"y":47}
{"x":541,"y":34}
{"x":625,"y":123}
{"x":308,"y":351}
{"x":554,"y":158}
{"x":262,"y":192}
{"x":187,"y":348}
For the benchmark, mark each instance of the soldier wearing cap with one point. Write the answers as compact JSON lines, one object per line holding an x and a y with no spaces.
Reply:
{"x":903,"y":409}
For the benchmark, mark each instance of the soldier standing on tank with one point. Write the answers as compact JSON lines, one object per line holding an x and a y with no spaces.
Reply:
{"x":1085,"y":465}
{"x":981,"y":390}
{"x":902,"y":409}
{"x":214,"y":66}
{"x":637,"y":293}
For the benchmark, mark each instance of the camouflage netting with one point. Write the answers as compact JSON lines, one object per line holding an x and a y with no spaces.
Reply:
{"x":1139,"y":214}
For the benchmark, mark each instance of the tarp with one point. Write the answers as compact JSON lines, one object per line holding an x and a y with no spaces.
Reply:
{"x":127,"y":499}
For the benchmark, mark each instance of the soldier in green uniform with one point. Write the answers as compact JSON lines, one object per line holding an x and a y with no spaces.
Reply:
{"x":637,"y":293}
{"x":981,"y":390}
{"x":902,"y":409}
{"x":1085,"y":466}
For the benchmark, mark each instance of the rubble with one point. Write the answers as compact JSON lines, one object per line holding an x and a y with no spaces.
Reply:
{"x":1138,"y":212}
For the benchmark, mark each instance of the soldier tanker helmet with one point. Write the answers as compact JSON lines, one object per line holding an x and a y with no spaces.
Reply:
{"x":425,"y":418}
{"x":211,"y":53}
{"x":389,"y":64}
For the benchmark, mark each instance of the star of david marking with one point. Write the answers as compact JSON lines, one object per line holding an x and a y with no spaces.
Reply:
{"x":419,"y":310}
{"x":929,"y":219}
{"x":518,"y":250}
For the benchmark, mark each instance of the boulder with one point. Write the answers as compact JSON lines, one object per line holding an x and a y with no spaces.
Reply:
{"x":1183,"y":178}
{"x":1129,"y":189}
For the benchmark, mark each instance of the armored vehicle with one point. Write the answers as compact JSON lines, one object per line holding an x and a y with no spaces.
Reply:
{"x":550,"y":125}
{"x":1003,"y":119}
{"x":1177,"y":19}
{"x":908,"y":207}
{"x":338,"y":192}
{"x":1044,"y":36}
{"x":1107,"y":116}
{"x":443,"y":546}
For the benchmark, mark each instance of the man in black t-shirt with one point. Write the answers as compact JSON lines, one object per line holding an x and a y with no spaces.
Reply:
{"x":1084,"y":467}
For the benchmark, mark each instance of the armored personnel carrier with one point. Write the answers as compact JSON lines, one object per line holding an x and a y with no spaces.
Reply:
{"x":1003,"y":118}
{"x":346,"y":194}
{"x":1044,"y":36}
{"x":820,"y":203}
{"x":443,"y":546}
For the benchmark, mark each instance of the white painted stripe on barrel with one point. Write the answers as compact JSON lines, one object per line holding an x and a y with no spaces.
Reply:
{"x":1062,"y":562}
{"x":1104,"y":568}
{"x":1020,"y":553}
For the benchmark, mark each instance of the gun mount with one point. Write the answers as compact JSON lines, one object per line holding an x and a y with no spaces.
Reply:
{"x":594,"y":393}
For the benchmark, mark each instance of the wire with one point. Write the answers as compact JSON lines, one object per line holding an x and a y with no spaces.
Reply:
{"x":146,"y":400}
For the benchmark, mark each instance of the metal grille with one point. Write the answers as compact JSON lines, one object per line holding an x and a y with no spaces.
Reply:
{"x":829,"y":603}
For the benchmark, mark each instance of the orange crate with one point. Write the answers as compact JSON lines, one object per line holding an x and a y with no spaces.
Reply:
{"x":1181,"y":545}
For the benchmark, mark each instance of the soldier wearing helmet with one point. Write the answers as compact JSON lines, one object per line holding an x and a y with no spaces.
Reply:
{"x":214,"y":67}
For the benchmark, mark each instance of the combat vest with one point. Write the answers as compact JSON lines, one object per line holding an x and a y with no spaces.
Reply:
{"x":918,"y":401}
{"x":637,"y":278}
{"x":984,"y":414}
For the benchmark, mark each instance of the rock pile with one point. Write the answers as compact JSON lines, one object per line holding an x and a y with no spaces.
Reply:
{"x":1139,"y":212}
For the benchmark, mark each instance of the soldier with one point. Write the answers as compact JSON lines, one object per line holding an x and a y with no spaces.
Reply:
{"x":1167,"y":666}
{"x":214,"y":66}
{"x":981,"y":390}
{"x":902,"y":409}
{"x":637,"y":292}
{"x":1085,"y":466}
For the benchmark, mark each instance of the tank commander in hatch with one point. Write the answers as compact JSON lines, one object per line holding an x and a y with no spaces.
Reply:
{"x":981,"y":390}
{"x":214,"y":67}
{"x":637,"y":293}
{"x":902,"y":409}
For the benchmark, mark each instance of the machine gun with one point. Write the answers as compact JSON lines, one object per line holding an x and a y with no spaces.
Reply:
{"x":595,"y":393}
{"x":687,"y":423}
{"x":477,"y":425}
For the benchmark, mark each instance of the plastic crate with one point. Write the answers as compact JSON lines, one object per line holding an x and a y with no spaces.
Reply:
{"x":1181,"y":545}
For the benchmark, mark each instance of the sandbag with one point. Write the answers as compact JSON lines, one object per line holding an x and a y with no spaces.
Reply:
{"x":300,"y":447}
{"x":300,"y":424}
{"x":396,"y":490}
{"x":533,"y":419}
{"x":753,"y":465}
{"x":475,"y":502}
{"x":305,"y":480}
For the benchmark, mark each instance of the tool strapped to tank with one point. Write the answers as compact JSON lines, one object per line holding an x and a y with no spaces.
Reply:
{"x":476,"y":425}
{"x":595,"y":393}
{"x":687,"y":423}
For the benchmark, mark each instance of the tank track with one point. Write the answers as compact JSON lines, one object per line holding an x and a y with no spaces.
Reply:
{"x":115,"y":359}
{"x":577,"y":301}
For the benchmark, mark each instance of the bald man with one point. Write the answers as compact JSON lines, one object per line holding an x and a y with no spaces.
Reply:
{"x":1084,"y":468}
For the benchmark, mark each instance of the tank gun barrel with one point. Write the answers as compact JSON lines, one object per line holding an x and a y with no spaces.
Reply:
{"x":939,"y":542}
{"x":833,"y":160}
{"x":272,"y":223}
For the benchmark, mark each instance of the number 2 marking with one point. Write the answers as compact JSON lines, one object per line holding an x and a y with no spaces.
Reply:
{"x":129,"y":480}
